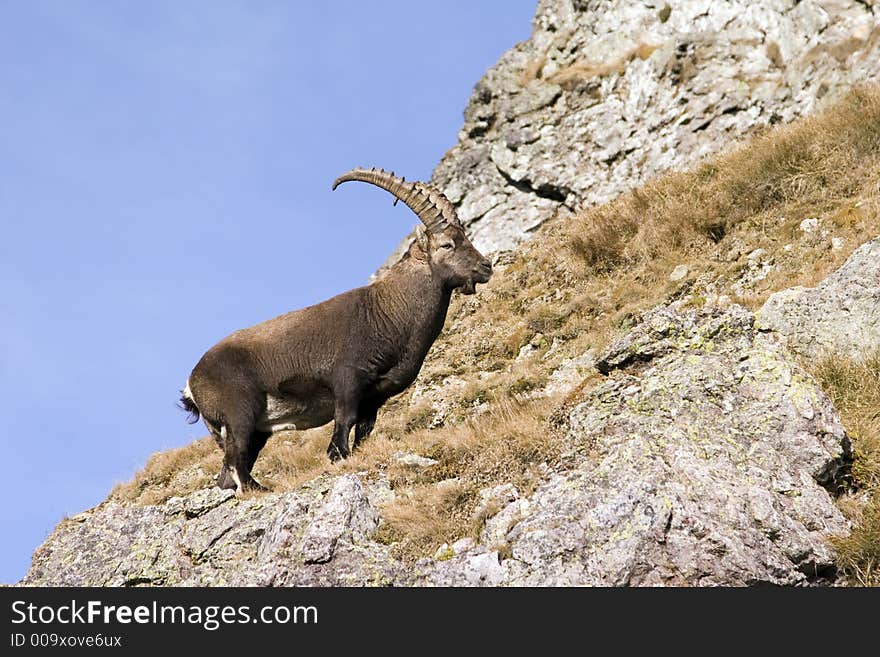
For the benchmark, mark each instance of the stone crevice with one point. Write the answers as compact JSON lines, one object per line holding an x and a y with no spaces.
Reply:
{"x":551,"y":192}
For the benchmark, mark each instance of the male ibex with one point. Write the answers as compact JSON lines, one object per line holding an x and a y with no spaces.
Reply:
{"x":340,"y":359}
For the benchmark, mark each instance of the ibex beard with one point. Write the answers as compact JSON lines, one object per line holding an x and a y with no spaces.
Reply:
{"x":340,"y":359}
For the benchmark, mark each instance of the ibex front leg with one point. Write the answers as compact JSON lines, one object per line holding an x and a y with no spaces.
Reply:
{"x":347,"y":400}
{"x":366,"y":420}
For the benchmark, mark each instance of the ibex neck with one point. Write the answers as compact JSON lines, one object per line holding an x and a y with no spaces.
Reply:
{"x":413,"y":299}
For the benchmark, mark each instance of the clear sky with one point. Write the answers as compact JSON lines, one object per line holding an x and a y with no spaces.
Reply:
{"x":165,"y":172}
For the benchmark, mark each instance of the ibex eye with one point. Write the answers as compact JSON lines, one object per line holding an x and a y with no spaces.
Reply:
{"x":448,"y":245}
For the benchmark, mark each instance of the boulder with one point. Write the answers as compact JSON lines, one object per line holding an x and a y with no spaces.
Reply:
{"x":840,"y":315}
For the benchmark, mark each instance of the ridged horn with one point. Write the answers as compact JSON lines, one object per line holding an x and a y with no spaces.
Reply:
{"x":429,"y":204}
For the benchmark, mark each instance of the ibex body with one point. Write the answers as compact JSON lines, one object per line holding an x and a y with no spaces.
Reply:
{"x":341,"y":359}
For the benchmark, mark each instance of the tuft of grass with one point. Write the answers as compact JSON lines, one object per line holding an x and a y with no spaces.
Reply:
{"x":587,"y":69}
{"x":858,"y":555}
{"x":173,"y":472}
{"x":853,"y":383}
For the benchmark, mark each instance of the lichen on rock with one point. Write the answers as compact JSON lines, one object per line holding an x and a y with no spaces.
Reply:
{"x":707,"y":466}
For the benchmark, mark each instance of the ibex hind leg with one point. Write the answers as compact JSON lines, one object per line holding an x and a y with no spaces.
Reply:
{"x":218,"y":432}
{"x":241,"y":443}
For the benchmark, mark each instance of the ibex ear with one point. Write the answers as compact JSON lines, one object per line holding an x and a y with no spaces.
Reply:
{"x":422,"y":238}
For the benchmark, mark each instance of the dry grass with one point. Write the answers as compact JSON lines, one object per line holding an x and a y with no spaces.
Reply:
{"x":813,"y":167}
{"x":573,"y":287}
{"x":532,"y":70}
{"x":859,"y":554}
{"x":508,"y":444}
{"x":173,"y":472}
{"x":586,"y":69}
{"x":854,"y":386}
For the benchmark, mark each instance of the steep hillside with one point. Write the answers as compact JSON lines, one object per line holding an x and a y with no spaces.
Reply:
{"x":607,"y":410}
{"x":607,"y":94}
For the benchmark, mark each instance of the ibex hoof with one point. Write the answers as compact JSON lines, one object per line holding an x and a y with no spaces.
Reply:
{"x":253,"y":486}
{"x":335,"y":454}
{"x":225,"y":480}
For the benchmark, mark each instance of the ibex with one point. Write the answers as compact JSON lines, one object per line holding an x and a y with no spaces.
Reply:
{"x":340,"y":359}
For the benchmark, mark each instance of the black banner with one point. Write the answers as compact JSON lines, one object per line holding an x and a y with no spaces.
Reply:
{"x":108,"y":620}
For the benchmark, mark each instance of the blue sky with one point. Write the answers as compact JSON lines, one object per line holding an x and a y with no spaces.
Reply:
{"x":165,"y":172}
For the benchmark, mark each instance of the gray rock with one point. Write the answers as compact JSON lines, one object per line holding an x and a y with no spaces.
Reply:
{"x":414,"y":460}
{"x":499,"y":510}
{"x":482,"y":569}
{"x":840,"y":315}
{"x":525,"y":351}
{"x":663,"y":330}
{"x":199,"y":502}
{"x":570,"y":373}
{"x":606,"y":95}
{"x":680,"y":272}
{"x":285,"y":539}
{"x":757,"y":254}
{"x":462,"y":545}
{"x":496,"y":528}
{"x":810,"y":225}
{"x":706,"y":469}
{"x":497,"y":495}
{"x":346,"y":513}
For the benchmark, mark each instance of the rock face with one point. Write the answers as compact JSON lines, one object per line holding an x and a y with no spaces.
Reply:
{"x":708,"y":450}
{"x":608,"y":93}
{"x":705,"y":458}
{"x":210,"y":538}
{"x":841,"y":314}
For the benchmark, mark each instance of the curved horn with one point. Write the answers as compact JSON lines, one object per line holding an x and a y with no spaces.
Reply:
{"x":429,"y":204}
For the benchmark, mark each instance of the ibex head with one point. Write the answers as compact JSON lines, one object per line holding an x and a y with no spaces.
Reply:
{"x":450,"y":254}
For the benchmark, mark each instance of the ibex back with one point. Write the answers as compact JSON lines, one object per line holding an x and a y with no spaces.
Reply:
{"x":340,"y":359}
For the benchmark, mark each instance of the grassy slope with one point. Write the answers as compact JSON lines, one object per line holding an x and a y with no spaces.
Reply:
{"x":575,"y":286}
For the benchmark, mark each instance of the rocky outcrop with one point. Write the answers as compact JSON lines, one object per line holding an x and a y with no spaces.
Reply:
{"x":706,"y":457}
{"x":713,"y":450}
{"x":211,"y":538}
{"x":609,"y":93}
{"x":840,"y":315}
